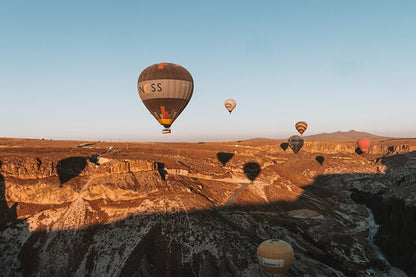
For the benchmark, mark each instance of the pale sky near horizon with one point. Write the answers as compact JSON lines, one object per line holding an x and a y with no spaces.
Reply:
{"x":68,"y":69}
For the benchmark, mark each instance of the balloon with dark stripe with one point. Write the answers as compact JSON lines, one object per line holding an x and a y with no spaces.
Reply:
{"x":165,"y":90}
{"x":301,"y":126}
{"x":295,"y":143}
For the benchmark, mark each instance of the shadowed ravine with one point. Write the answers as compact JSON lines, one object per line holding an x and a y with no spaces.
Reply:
{"x":148,"y":218}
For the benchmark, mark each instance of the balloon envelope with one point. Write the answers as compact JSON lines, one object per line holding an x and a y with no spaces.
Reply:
{"x":364,"y":144}
{"x":275,"y":256}
{"x":165,"y":90}
{"x":230,"y":104}
{"x":296,"y":143}
{"x":301,"y":126}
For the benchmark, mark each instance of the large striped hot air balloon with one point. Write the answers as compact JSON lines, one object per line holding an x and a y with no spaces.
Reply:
{"x":230,"y":104}
{"x":364,"y":144}
{"x":275,"y":256}
{"x":165,"y":90}
{"x":301,"y":126}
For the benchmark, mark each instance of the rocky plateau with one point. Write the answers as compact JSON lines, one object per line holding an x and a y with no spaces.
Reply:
{"x":70,"y":208}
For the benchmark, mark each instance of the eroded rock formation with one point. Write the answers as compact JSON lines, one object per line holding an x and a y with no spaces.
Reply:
{"x":179,"y":211}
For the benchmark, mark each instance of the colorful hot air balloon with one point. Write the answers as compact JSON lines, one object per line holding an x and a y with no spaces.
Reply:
{"x":165,"y":90}
{"x":301,"y":126}
{"x":230,"y":104}
{"x":364,"y":144}
{"x":275,"y":256}
{"x":296,"y":143}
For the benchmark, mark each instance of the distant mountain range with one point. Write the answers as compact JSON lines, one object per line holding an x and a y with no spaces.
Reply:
{"x":340,"y":135}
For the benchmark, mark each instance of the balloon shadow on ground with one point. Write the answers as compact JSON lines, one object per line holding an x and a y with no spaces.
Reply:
{"x":320,"y":159}
{"x":284,"y":146}
{"x":252,"y":170}
{"x":69,"y":168}
{"x":224,"y":157}
{"x":7,"y":215}
{"x":160,"y":167}
{"x":94,"y":158}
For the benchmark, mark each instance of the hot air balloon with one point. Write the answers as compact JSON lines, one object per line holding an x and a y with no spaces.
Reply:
{"x":275,"y":256}
{"x":165,"y":90}
{"x":230,"y":104}
{"x":364,"y":144}
{"x":296,"y":143}
{"x":301,"y":126}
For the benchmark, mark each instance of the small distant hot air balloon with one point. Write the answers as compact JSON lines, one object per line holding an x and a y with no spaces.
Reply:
{"x":230,"y":104}
{"x":296,"y":143}
{"x":165,"y":90}
{"x":275,"y":256}
{"x":301,"y":126}
{"x":364,"y":144}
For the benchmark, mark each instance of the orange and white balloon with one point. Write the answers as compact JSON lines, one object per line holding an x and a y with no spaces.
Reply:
{"x":275,"y":256}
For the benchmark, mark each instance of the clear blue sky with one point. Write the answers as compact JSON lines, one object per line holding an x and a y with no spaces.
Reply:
{"x":68,"y":69}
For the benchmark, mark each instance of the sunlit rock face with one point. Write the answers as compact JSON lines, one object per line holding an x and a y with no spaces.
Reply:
{"x":180,"y":210}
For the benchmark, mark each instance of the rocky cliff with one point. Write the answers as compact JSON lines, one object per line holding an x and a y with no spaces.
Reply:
{"x":188,"y":210}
